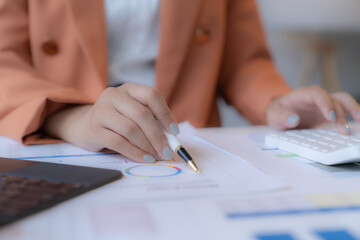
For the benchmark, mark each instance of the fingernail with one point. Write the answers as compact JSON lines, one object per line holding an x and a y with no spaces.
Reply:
{"x":346,"y":127}
{"x":292,"y":119}
{"x":332,"y":116}
{"x":174,"y":129}
{"x":167,"y":153}
{"x":148,"y":158}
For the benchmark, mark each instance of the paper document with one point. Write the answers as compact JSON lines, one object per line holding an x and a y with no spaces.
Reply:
{"x":221,"y":173}
{"x":231,"y":199}
{"x":249,"y":144}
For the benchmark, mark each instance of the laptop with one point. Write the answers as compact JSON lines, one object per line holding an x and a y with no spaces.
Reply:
{"x":27,"y":187}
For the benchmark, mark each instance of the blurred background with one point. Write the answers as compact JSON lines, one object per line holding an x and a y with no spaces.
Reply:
{"x":312,"y":42}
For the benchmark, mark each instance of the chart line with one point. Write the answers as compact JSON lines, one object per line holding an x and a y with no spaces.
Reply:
{"x":68,"y":156}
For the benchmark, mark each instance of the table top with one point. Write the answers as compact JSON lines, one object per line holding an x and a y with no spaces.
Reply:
{"x":317,"y":201}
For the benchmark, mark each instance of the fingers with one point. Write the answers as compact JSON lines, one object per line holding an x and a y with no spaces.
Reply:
{"x":152,"y":99}
{"x":302,"y":107}
{"x":349,"y":104}
{"x":115,"y":142}
{"x":125,"y":127}
{"x":128,"y":124}
{"x":143,"y":118}
{"x":340,"y":123}
{"x":331,"y":108}
{"x":145,"y":107}
{"x":279,"y":117}
{"x":324,"y":102}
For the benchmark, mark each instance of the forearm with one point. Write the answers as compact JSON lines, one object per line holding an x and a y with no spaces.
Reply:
{"x":64,"y":124}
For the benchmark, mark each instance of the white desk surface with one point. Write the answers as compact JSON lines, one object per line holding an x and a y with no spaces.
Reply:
{"x":318,"y":200}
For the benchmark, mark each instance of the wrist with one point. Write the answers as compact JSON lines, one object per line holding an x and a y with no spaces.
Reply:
{"x":63,"y":124}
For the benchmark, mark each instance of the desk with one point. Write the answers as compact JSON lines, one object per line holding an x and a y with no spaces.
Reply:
{"x":318,"y":203}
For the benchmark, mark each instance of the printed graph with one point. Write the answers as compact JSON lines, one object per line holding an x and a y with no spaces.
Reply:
{"x":336,"y":234}
{"x":153,"y":171}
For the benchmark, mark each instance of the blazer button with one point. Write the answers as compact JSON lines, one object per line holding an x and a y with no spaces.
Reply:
{"x":50,"y":47}
{"x":202,"y":35}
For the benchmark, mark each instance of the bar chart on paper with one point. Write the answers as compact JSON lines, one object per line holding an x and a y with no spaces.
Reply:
{"x":329,"y":234}
{"x":293,"y":216}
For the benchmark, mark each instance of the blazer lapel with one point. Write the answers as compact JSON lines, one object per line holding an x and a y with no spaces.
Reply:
{"x":177,"y":26}
{"x":89,"y":18}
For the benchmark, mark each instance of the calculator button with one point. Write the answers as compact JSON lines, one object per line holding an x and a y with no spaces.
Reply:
{"x":305,"y":144}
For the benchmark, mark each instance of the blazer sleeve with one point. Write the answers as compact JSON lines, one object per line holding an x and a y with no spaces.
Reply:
{"x":249,"y":79}
{"x":25,"y":97}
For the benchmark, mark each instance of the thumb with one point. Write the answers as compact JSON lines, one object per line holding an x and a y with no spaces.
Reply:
{"x":281,"y":118}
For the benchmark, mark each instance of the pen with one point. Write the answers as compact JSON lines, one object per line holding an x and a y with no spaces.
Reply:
{"x":179,"y":149}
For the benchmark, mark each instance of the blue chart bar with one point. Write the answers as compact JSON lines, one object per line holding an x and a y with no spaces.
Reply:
{"x":270,"y":149}
{"x":336,"y":235}
{"x":238,"y":215}
{"x":284,"y":236}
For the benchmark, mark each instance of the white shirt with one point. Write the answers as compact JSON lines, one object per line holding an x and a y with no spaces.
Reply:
{"x":132,"y":36}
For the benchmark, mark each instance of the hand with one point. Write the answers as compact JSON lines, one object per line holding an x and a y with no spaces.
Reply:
{"x":123,"y":119}
{"x":311,"y":106}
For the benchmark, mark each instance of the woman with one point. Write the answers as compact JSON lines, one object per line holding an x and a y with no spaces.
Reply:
{"x":56,"y":75}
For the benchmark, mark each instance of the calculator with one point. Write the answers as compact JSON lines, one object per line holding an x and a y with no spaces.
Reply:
{"x":325,"y":145}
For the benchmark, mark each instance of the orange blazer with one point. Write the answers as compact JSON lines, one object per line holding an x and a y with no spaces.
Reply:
{"x":54,"y":53}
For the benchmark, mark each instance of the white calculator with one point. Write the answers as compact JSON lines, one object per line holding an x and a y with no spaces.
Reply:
{"x":326,"y":146}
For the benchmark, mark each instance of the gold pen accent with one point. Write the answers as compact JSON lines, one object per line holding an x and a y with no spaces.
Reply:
{"x":193,"y":166}
{"x":180,"y":150}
